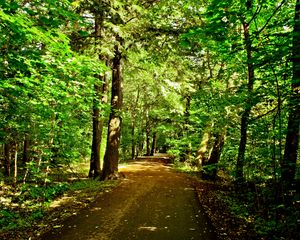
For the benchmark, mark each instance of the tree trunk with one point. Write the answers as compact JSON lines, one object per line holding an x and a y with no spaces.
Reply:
{"x":26,"y":149}
{"x":95,"y":153}
{"x":133,"y":123}
{"x":215,"y":155}
{"x":140,"y":147}
{"x":15,"y":164}
{"x":7,"y":149}
{"x":98,"y":120}
{"x":292,"y":138}
{"x":132,"y":140}
{"x":186,"y":151}
{"x":153,"y":147}
{"x":201,"y":155}
{"x":217,"y":149}
{"x":246,"y":113}
{"x":111,"y":158}
{"x":148,"y":131}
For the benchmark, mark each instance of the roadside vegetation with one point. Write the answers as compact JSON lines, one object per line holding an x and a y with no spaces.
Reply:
{"x":37,"y":206}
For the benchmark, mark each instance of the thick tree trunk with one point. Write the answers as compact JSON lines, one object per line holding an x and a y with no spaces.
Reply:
{"x":215,"y":155}
{"x":98,"y":124}
{"x":246,"y":114}
{"x":111,"y":158}
{"x":202,"y":151}
{"x":98,"y":121}
{"x":292,"y":138}
{"x":217,"y":149}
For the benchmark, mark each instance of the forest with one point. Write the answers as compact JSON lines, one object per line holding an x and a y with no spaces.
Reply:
{"x":88,"y":85}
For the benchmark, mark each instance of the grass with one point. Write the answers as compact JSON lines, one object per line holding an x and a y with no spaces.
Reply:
{"x":185,"y":168}
{"x":25,"y":204}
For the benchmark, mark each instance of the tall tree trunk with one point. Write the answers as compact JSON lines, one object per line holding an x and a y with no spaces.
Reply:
{"x":148,"y":131}
{"x":95,"y":153}
{"x":26,"y":149}
{"x":133,"y":123}
{"x":140,"y":147}
{"x":153,"y":147}
{"x":132,"y":140}
{"x":100,"y":96}
{"x":111,"y":158}
{"x":7,"y":150}
{"x":15,"y":156}
{"x":98,"y":125}
{"x":292,"y":138}
{"x":186,"y":151}
{"x":246,"y":113}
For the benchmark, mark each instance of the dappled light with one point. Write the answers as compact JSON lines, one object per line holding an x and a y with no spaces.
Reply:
{"x":145,"y":166}
{"x":151,"y":229}
{"x":151,"y":120}
{"x":140,"y":206}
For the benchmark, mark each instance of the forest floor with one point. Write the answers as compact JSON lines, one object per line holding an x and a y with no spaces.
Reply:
{"x":152,"y":202}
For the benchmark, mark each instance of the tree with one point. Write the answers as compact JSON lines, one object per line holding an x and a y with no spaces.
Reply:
{"x":292,"y":136}
{"x":111,"y":158}
{"x":43,"y":79}
{"x":249,"y":103}
{"x":100,"y":98}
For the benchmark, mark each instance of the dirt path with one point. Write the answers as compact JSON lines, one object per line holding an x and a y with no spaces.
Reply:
{"x":153,"y":202}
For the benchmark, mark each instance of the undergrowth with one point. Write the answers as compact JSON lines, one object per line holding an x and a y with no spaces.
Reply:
{"x":24,"y":204}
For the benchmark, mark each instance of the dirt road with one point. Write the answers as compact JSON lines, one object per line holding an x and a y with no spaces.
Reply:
{"x":153,"y":203}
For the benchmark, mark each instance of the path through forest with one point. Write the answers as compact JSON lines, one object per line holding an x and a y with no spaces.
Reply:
{"x":152,"y":202}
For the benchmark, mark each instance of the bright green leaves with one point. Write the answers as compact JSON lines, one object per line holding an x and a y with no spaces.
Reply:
{"x":45,"y":88}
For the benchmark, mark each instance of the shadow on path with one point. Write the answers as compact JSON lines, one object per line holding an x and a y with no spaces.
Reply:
{"x":152,"y":202}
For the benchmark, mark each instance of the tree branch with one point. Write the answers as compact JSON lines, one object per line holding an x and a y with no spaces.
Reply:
{"x":270,"y":18}
{"x":265,"y":114}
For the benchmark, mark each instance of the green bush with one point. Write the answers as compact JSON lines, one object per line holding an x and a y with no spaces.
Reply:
{"x":42,"y":193}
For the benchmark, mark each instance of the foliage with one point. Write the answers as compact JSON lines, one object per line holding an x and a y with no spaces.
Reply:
{"x":187,"y":66}
{"x":31,"y":202}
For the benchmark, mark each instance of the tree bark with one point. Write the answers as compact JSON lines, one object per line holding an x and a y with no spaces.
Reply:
{"x":26,"y":149}
{"x":215,"y":155}
{"x":98,"y":124}
{"x":292,"y":138}
{"x":186,"y":151}
{"x":248,"y":107}
{"x":132,"y":140}
{"x":111,"y":158}
{"x":95,"y":153}
{"x":202,"y":151}
{"x":100,"y":97}
{"x":7,"y":149}
{"x":15,"y":158}
{"x":148,"y":131}
{"x":217,"y":149}
{"x":133,"y":125}
{"x":153,"y":147}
